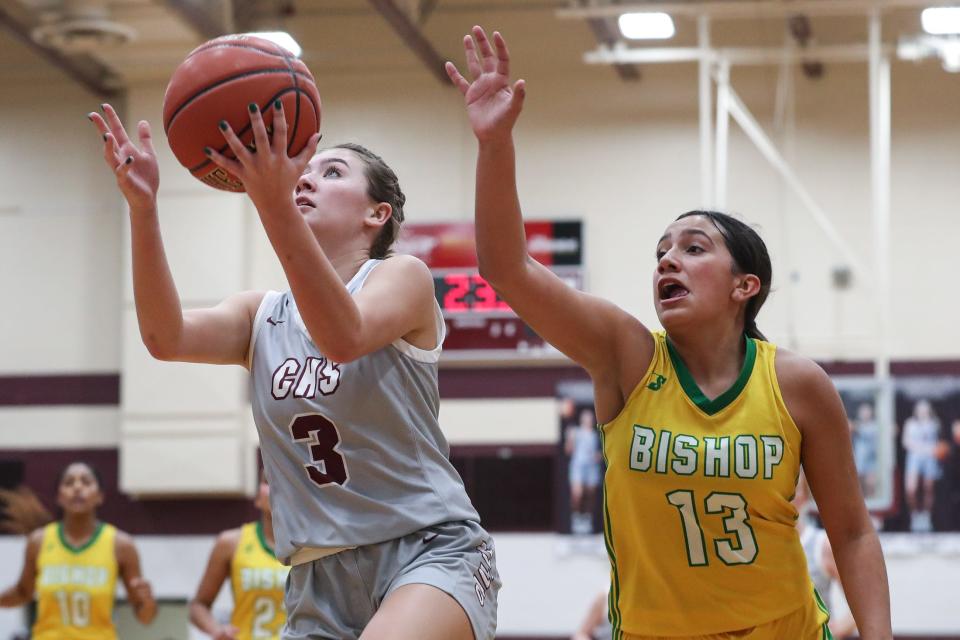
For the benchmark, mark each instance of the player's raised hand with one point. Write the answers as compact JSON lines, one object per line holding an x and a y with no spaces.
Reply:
{"x":268,"y":173}
{"x":493,"y":103}
{"x":136,"y":169}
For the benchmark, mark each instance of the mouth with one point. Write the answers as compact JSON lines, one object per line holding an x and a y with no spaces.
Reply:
{"x":671,"y":290}
{"x":304,"y":202}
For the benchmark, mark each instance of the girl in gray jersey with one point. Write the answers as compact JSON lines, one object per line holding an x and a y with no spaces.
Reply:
{"x":367,"y":508}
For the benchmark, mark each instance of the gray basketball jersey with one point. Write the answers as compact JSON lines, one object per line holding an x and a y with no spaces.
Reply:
{"x":353,"y":451}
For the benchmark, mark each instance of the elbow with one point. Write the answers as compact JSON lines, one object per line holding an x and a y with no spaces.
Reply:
{"x":157,"y":349}
{"x":342,"y":354}
{"x":495,"y":275}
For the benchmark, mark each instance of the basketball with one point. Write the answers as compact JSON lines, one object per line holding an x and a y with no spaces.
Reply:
{"x":216,"y":82}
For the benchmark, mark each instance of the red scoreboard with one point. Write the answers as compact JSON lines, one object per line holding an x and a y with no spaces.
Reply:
{"x":480,"y":326}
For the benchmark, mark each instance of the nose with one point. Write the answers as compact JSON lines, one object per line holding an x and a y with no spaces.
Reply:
{"x":667,"y":263}
{"x":305,"y":183}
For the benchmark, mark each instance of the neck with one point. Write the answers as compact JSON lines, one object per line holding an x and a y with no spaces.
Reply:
{"x":347,"y":264}
{"x":713,"y":355}
{"x":80,"y":525}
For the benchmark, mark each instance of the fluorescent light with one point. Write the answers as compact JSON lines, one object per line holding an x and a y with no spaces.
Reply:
{"x":646,"y":26}
{"x":941,"y":20}
{"x":281,"y":38}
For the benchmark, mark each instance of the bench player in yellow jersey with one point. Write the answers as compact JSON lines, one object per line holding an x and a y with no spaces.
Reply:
{"x":704,"y":426}
{"x":257,"y":580}
{"x":71,"y":566}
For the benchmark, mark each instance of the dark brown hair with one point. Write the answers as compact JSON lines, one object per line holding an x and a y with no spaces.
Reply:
{"x":749,"y":256}
{"x":382,"y":186}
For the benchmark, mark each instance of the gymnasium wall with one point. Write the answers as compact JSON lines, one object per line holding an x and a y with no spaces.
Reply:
{"x":621,"y":157}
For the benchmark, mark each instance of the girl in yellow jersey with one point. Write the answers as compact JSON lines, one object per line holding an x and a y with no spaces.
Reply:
{"x":257,"y":578}
{"x":704,"y":426}
{"x":71,"y":566}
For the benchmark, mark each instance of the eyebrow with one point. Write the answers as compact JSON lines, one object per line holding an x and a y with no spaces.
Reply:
{"x":306,"y":169}
{"x":688,"y":232}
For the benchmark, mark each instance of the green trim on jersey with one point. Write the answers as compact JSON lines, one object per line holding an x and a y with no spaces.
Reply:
{"x":263,"y":540}
{"x":613,"y":597}
{"x":690,"y":387}
{"x":86,"y":545}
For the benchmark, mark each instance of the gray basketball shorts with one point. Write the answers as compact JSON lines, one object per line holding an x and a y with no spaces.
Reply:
{"x":334,"y":598}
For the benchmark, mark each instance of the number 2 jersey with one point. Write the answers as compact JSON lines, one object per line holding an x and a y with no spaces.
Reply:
{"x":353,"y":451}
{"x":257,"y":580}
{"x":75,"y":586}
{"x":698,"y":521}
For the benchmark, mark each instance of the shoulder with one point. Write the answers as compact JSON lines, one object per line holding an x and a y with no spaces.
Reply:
{"x":123,"y":541}
{"x":35,"y":538}
{"x":806,"y":388}
{"x":227,"y":541}
{"x":403,"y":267}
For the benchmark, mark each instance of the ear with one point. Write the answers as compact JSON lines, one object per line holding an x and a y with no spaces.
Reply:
{"x":379,"y":215}
{"x":745,"y":287}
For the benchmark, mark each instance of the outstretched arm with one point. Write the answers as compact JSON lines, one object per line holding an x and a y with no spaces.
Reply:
{"x":219,"y":335}
{"x":138,"y":589}
{"x":590,"y":330}
{"x":827,"y":457}
{"x":22,"y":592}
{"x":216,"y":573}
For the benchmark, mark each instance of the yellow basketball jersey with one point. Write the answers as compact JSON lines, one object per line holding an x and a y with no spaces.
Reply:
{"x":697,"y":514}
{"x":75,"y":586}
{"x":258,"y":580}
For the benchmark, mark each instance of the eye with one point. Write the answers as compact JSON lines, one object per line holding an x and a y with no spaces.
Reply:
{"x":694,"y":249}
{"x":332,"y":170}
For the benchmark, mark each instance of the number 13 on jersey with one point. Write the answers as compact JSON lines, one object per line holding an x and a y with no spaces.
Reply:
{"x":740,"y":548}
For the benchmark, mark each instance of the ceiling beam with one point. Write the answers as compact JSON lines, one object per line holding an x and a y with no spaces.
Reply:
{"x":82,"y":69}
{"x":605,"y":35}
{"x":413,"y":37}
{"x":751,"y":9}
{"x":201,"y":17}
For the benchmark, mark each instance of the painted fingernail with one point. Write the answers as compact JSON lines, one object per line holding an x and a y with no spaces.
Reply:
{"x":129,"y":160}
{"x":253,"y":107}
{"x":90,"y":116}
{"x":208,"y":151}
{"x":223,"y":125}
{"x":105,"y":137}
{"x":277,"y":104}
{"x":103,"y":106}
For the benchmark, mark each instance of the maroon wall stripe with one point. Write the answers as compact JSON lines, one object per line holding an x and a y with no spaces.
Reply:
{"x":50,"y":390}
{"x":41,"y":469}
{"x":455,"y":383}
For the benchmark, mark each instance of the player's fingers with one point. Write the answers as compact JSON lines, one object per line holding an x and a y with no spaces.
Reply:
{"x":280,"y":143}
{"x":260,"y":139}
{"x":111,"y":151}
{"x":487,"y":59}
{"x":456,"y":77}
{"x":503,"y":55}
{"x":231,"y":165}
{"x":146,"y":137}
{"x":123,"y":168}
{"x":113,"y":121}
{"x":308,"y":151}
{"x":470,"y":51}
{"x":98,"y":122}
{"x":239,"y":149}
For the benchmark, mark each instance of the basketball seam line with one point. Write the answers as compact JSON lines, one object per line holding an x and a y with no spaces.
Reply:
{"x":219,"y":45}
{"x":242,"y":131}
{"x":245,"y":74}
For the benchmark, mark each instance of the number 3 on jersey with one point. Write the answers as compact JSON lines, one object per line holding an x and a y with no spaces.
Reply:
{"x":327,"y":465}
{"x":733,"y":508}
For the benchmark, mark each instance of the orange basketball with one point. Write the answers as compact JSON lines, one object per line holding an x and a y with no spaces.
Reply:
{"x":216,"y":82}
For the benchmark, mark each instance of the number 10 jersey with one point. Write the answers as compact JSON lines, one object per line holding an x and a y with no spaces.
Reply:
{"x":353,"y":451}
